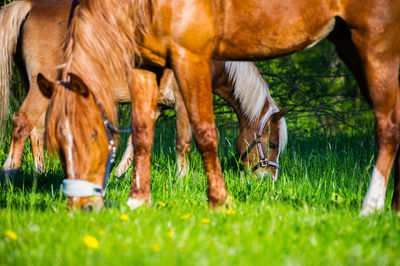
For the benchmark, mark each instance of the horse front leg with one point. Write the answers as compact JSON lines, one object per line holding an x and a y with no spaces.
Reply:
{"x":144,"y":95}
{"x":193,"y":76}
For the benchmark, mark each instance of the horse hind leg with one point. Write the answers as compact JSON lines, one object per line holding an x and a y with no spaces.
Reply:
{"x":19,"y":135}
{"x":37,"y":142}
{"x":126,"y":160}
{"x":377,"y":77}
{"x":385,"y":99}
{"x":24,"y":120}
{"x":183,"y":135}
{"x":396,"y":189}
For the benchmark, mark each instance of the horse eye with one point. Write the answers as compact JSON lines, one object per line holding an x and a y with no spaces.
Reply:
{"x":272,"y":145}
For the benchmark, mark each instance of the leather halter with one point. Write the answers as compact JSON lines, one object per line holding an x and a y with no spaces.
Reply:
{"x":257,"y":141}
{"x":83,"y":188}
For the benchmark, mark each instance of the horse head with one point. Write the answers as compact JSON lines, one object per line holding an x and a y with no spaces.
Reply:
{"x":79,"y":131}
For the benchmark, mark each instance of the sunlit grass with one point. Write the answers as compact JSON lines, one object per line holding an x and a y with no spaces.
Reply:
{"x":308,"y":216}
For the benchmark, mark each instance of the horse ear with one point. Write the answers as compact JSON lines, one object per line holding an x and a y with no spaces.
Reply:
{"x":46,"y":87}
{"x":278,"y":115}
{"x":77,"y":85}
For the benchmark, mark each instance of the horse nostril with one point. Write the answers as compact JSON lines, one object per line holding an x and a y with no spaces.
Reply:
{"x":88,"y":207}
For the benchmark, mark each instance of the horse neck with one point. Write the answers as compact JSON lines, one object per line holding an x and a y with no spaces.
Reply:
{"x":223,"y":87}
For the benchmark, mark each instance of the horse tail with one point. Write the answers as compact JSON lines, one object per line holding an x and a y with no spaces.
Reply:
{"x":11,"y":19}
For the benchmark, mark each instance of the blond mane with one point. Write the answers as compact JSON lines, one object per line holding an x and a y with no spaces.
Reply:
{"x":100,"y":48}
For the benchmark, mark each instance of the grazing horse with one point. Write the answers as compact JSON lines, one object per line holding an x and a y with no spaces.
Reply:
{"x":106,"y":37}
{"x":37,"y":50}
{"x":242,"y":86}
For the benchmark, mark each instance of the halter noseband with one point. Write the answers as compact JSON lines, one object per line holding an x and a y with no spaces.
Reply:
{"x":83,"y":188}
{"x":257,"y":141}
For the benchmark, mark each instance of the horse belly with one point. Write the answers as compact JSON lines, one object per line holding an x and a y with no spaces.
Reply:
{"x":268,"y":29}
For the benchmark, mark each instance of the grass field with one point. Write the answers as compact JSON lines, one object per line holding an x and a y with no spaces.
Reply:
{"x":309,"y":216}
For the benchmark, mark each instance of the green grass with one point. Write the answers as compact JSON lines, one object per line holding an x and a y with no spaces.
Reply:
{"x":308,"y":216}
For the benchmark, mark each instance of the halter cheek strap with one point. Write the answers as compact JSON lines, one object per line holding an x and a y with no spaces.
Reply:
{"x":257,"y":141}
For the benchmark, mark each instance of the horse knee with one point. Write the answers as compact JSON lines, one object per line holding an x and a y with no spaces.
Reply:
{"x":142,"y":138}
{"x":21,"y":126}
{"x":388,"y":132}
{"x":206,"y":138}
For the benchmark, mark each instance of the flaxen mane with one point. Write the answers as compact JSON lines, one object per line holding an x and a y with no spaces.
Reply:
{"x":100,"y":48}
{"x":251,"y":90}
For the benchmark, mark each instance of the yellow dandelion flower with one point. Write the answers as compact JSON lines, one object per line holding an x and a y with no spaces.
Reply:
{"x":156,"y":247}
{"x":11,"y":234}
{"x":171,"y":234}
{"x":162,"y":204}
{"x":101,"y":232}
{"x":205,"y":220}
{"x":230,"y":211}
{"x":91,"y":242}
{"x":185,"y":216}
{"x":124,"y":217}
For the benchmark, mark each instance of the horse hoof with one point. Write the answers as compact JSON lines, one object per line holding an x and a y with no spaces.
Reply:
{"x":8,"y":174}
{"x":226,"y":203}
{"x":120,"y":171}
{"x":369,"y":209}
{"x":135,"y":203}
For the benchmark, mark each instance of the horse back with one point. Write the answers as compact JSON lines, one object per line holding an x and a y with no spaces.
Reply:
{"x":42,"y":36}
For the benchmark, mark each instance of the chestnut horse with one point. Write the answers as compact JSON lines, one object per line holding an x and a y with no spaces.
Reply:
{"x":242,"y":86}
{"x":38,"y":50}
{"x":106,"y":37}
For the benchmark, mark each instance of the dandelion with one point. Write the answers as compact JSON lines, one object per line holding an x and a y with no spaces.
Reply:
{"x":11,"y":235}
{"x":230,"y":211}
{"x":162,"y":204}
{"x":205,"y":220}
{"x":101,"y":232}
{"x":185,"y":216}
{"x":156,"y":247}
{"x":171,"y":234}
{"x":91,"y":242}
{"x":124,"y":217}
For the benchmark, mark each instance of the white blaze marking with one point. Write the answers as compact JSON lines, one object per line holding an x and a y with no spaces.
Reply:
{"x":375,"y":198}
{"x":70,"y":158}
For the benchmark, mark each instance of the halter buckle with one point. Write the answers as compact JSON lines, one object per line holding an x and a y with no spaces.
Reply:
{"x":264,"y":162}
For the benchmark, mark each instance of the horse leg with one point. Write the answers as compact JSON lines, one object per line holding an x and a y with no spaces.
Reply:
{"x":396,"y":189}
{"x":37,"y":143}
{"x":183,"y":135}
{"x":126,"y":160}
{"x":193,"y":76}
{"x":377,"y":78}
{"x":385,"y":99}
{"x":24,"y":119}
{"x":144,"y":95}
